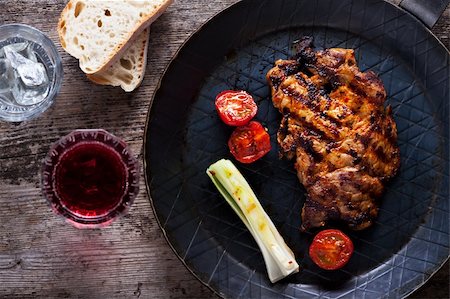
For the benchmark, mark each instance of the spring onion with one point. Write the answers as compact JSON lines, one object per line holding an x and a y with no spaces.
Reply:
{"x":279,"y":258}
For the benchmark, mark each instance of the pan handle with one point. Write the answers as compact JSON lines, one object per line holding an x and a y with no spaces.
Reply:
{"x":428,"y":11}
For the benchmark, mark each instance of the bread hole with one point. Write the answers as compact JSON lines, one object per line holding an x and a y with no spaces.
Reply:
{"x":126,"y":78}
{"x":62,"y":24}
{"x":82,"y":47}
{"x":75,"y":40}
{"x":63,"y":30}
{"x":78,"y":9}
{"x":107,"y":13}
{"x":99,"y":23}
{"x":126,"y":64}
{"x":112,"y":34}
{"x":141,"y":14}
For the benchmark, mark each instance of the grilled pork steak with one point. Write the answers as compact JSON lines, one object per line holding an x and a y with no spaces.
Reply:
{"x":335,"y":125}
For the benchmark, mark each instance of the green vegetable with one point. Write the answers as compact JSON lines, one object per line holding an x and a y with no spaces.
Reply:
{"x":279,"y":258}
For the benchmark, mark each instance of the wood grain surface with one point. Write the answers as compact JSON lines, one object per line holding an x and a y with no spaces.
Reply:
{"x":40,"y":255}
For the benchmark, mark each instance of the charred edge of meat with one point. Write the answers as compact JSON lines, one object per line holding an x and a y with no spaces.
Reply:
{"x":289,"y":68}
{"x":361,"y":221}
{"x":329,"y":71}
{"x":305,"y":54}
{"x":282,"y":133}
{"x":395,"y":158}
{"x":313,"y":215}
{"x":377,"y":121}
{"x":275,"y":81}
{"x":286,"y":68}
{"x":304,"y":49}
{"x":369,"y":78}
{"x":316,"y":214}
{"x":325,"y":217}
{"x":390,"y":131}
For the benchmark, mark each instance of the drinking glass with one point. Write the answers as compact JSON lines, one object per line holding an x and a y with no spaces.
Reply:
{"x":90,"y":177}
{"x":13,"y":92}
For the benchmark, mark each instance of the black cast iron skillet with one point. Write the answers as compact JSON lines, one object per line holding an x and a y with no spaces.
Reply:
{"x":184,"y":135}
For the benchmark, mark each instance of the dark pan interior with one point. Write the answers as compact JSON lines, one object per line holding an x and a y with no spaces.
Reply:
{"x":409,"y":240}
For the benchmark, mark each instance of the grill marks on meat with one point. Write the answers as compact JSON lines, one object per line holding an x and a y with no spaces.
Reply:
{"x":335,"y":125}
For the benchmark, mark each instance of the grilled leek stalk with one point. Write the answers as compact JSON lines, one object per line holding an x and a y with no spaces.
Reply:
{"x":278,"y":257}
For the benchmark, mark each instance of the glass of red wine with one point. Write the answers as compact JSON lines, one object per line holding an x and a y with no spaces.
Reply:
{"x":90,"y":178}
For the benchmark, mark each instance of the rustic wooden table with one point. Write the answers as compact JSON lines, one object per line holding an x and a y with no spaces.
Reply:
{"x":41,"y":256}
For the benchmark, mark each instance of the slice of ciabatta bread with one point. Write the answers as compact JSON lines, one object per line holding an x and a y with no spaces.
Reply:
{"x":98,"y":32}
{"x":129,"y":70}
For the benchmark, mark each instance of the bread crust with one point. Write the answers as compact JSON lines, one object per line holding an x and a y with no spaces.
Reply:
{"x":119,"y":49}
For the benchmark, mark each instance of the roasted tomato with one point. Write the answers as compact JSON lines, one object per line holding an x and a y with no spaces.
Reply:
{"x":249,"y":143}
{"x":331,"y":249}
{"x":235,"y":108}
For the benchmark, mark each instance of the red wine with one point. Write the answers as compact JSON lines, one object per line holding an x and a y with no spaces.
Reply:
{"x":90,"y":179}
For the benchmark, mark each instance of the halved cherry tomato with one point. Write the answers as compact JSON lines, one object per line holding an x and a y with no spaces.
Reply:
{"x":331,"y":249}
{"x":235,"y":108}
{"x":249,"y":143}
